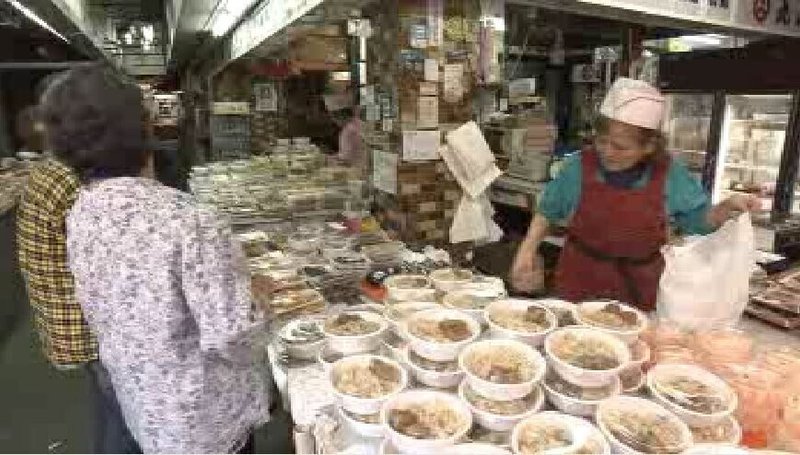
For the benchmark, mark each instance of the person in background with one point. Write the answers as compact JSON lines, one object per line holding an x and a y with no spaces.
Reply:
{"x":162,"y":282}
{"x":618,"y":201}
{"x":29,"y":133}
{"x":65,"y":337}
{"x":351,"y":148}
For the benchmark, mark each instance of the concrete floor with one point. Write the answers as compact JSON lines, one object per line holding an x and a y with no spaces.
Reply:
{"x":44,"y":410}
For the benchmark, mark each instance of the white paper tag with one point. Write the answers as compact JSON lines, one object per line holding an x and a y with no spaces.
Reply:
{"x":428,"y":112}
{"x":387,"y":125}
{"x":384,"y":171}
{"x":431,"y":69}
{"x":421,"y":145}
{"x":428,"y":89}
{"x":453,"y":82}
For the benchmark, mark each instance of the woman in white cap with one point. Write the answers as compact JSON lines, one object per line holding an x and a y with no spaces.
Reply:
{"x":618,"y":201}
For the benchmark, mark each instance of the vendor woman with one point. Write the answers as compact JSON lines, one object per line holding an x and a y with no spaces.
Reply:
{"x":618,"y":201}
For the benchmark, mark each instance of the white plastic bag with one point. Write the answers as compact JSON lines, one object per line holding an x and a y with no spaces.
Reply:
{"x":706,"y":282}
{"x":473,"y":221}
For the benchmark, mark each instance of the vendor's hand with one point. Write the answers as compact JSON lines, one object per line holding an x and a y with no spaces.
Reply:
{"x":527,"y":272}
{"x":743,"y":203}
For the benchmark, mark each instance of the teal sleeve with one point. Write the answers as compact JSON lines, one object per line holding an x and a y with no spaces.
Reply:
{"x":560,"y":197}
{"x":687,"y":201}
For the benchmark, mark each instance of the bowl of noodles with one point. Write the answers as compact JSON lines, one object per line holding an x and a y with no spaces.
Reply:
{"x":554,"y":433}
{"x":362,"y":383}
{"x":425,"y":421}
{"x":409,"y":288}
{"x":471,"y":301}
{"x":519,"y":319}
{"x":440,"y":334}
{"x":700,"y":398}
{"x":612,"y":317}
{"x":396,"y":313}
{"x":585,"y":356}
{"x":577,"y":400}
{"x":500,"y":415}
{"x":442,"y":375}
{"x":450,"y":279}
{"x":502,"y":369}
{"x":354,"y":332}
{"x":637,"y":426}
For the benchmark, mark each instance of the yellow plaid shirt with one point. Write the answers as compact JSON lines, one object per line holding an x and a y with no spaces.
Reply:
{"x":49,"y":193}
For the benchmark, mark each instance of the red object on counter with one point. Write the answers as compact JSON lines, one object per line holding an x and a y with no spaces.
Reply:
{"x":376,"y":293}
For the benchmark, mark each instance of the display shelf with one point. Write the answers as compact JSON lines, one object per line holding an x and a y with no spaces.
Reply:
{"x":751,"y":167}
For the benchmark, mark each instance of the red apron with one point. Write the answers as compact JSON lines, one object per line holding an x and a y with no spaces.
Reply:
{"x":614,"y":240}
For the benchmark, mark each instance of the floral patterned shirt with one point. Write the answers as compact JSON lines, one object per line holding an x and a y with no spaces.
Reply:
{"x":166,"y":290}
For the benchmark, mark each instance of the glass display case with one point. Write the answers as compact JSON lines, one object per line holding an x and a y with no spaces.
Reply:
{"x":686,"y":128}
{"x":751,"y":145}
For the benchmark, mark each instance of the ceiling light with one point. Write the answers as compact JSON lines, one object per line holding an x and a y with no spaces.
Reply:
{"x":32,"y":16}
{"x":148,"y":33}
{"x":226,"y":14}
{"x":704,"y":40}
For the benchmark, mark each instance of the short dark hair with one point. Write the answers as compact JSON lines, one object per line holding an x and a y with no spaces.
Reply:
{"x":95,"y":122}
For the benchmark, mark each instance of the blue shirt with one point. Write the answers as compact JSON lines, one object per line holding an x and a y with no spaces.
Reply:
{"x":685,"y":200}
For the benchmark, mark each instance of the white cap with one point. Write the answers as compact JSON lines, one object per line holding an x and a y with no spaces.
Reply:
{"x":635,"y":103}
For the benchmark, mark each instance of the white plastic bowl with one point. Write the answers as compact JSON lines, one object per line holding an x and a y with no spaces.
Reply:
{"x":628,"y":336}
{"x":357,"y":344}
{"x":365,"y":406}
{"x":579,"y":433}
{"x":445,"y":281}
{"x":475,"y":448}
{"x":500,"y":422}
{"x":531,"y":338}
{"x":694,"y":419}
{"x":301,"y":350}
{"x":497,"y":391}
{"x":410,"y":445}
{"x":367,"y":430}
{"x":398,"y":289}
{"x":434,"y":350}
{"x":576,"y":406}
{"x":580,"y":376}
{"x":735,"y":436}
{"x":411,"y":307}
{"x":477,"y":313}
{"x":431,"y":378}
{"x":719,"y":449}
{"x":623,"y":402}
{"x":558,"y":306}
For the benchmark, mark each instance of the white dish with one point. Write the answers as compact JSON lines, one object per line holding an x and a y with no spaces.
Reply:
{"x":634,"y":404}
{"x":628,"y":335}
{"x":581,"y":376}
{"x":640,"y":383}
{"x":483,"y":295}
{"x":434,"y":350}
{"x":532,"y":338}
{"x":411,"y":445}
{"x":367,"y":430}
{"x":359,"y":405}
{"x":498,"y":391}
{"x":297,"y":348}
{"x":579,"y":434}
{"x":475,"y":448}
{"x":409,"y":288}
{"x":718,"y":449}
{"x":404,"y":309}
{"x":577,"y":406}
{"x":432,"y":378}
{"x":692,"y":418}
{"x":357,"y":344}
{"x":563,"y":310}
{"x":500,"y":422}
{"x":735,"y":430}
{"x":450,"y":279}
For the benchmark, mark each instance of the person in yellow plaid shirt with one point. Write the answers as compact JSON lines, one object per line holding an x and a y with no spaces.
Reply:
{"x":50,"y":191}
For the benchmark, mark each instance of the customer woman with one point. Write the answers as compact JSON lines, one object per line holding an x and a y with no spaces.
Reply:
{"x":160,"y":281}
{"x":618,"y":202}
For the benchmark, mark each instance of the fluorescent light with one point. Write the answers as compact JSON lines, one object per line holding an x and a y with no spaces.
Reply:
{"x":704,"y":40}
{"x":226,"y":14}
{"x":148,"y":33}
{"x":32,"y":16}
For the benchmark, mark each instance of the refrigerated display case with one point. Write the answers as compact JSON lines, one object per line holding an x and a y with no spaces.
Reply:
{"x":687,"y":125}
{"x":752,"y":143}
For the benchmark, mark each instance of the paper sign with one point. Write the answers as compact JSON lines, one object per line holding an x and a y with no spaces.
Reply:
{"x":384,"y":171}
{"x":367,"y":95}
{"x":428,"y":112}
{"x":421,"y":145}
{"x":266,"y":97}
{"x":431,"y":69}
{"x":503,"y":106}
{"x":453,"y":82}
{"x":387,"y":125}
{"x":428,"y":88}
{"x":372,"y":113}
